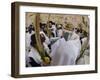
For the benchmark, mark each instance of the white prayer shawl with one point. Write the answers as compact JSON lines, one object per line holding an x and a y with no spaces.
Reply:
{"x":65,"y":52}
{"x":74,"y":36}
{"x":46,"y":48}
{"x":84,"y":41}
{"x":47,"y":40}
{"x":35,"y":55}
{"x":85,"y":59}
{"x":28,"y":40}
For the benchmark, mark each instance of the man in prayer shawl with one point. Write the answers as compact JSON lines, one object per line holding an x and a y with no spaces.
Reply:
{"x":60,"y":30}
{"x":52,"y":28}
{"x":46,"y":42}
{"x":33,"y":58}
{"x":29,"y":32}
{"x":66,"y":50}
{"x":85,"y":57}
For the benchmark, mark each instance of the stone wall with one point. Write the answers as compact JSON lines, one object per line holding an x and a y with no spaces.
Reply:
{"x":58,"y":19}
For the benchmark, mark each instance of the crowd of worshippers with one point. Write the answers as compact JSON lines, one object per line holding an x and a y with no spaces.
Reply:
{"x":62,"y":47}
